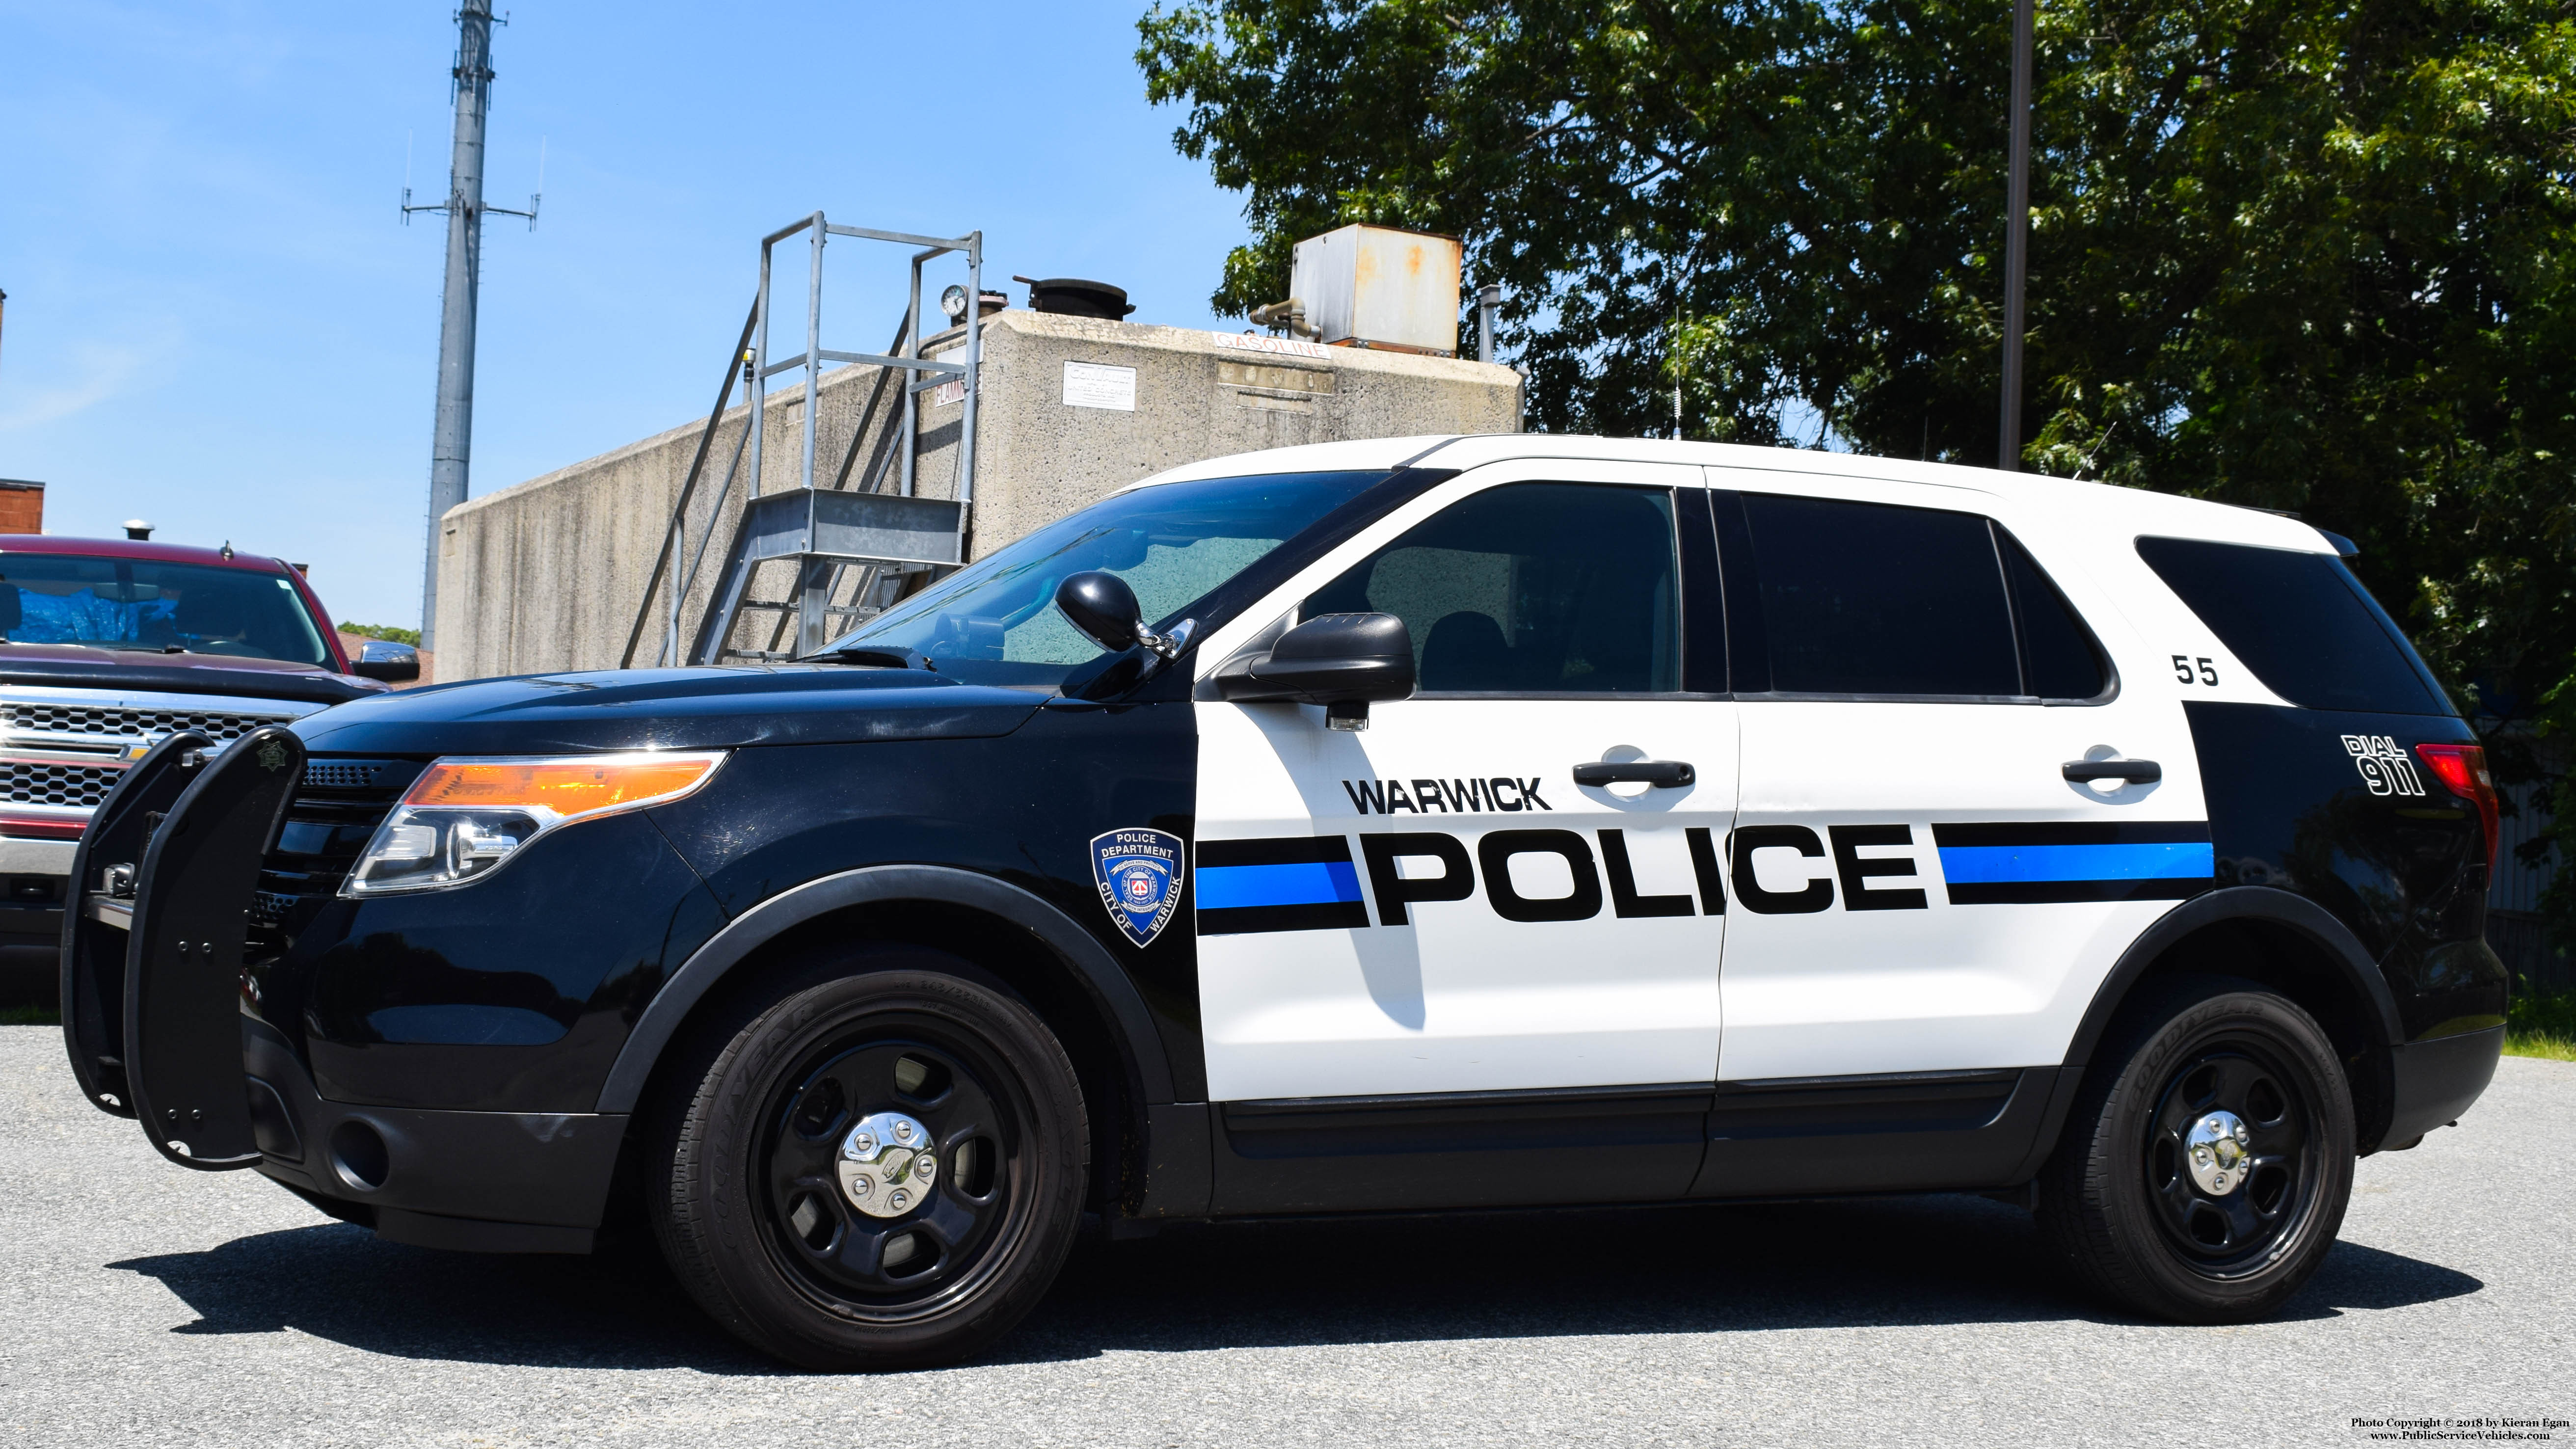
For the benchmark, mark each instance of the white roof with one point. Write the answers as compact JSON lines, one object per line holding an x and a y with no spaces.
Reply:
{"x":2133,"y":510}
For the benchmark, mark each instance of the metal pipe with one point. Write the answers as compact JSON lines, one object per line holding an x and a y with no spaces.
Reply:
{"x":759,"y":364}
{"x":715,"y":515}
{"x":809,"y":603}
{"x":938,"y":245}
{"x":680,"y":544}
{"x":738,"y":362}
{"x":974,"y":359}
{"x":2016,"y":240}
{"x":813,"y":348}
{"x":1489,"y":300}
{"x":784,"y":232}
{"x":911,"y":349}
{"x":892,"y":360}
{"x":452,"y":435}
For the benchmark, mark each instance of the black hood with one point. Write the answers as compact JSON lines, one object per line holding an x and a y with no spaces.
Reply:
{"x":675,"y":709}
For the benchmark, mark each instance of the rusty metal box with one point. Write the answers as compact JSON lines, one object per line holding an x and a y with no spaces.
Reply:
{"x":1374,"y":286}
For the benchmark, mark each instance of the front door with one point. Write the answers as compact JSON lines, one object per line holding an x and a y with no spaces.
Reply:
{"x":1435,"y":905}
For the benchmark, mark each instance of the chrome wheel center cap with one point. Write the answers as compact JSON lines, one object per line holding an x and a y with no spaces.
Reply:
{"x":886,"y":1166}
{"x":2219,"y":1152}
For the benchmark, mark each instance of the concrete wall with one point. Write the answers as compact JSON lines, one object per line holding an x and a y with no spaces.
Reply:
{"x":547,"y":575}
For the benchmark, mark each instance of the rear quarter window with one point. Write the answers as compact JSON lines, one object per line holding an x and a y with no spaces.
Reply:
{"x":2301,"y":622}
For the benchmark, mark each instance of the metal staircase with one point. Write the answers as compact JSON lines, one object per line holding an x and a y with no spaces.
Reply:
{"x":843,"y":552}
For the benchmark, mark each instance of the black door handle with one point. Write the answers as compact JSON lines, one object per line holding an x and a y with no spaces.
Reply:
{"x":1664,"y":774}
{"x":2136,"y":772}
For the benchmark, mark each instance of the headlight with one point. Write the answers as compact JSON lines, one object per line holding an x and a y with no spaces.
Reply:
{"x":464,"y":818}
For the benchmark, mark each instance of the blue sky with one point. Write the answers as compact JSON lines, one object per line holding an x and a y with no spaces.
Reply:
{"x":216,"y":322}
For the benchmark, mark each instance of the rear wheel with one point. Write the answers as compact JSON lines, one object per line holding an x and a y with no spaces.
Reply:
{"x":879,"y":1169}
{"x":2204,"y":1169}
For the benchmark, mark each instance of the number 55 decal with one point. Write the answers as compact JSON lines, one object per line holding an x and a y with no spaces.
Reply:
{"x":2182,"y":670}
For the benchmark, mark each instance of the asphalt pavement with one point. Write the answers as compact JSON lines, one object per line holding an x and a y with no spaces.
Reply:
{"x":144,"y":1304}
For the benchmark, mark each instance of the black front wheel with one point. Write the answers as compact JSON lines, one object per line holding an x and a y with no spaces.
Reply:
{"x":882,"y":1168}
{"x":2204,"y":1169}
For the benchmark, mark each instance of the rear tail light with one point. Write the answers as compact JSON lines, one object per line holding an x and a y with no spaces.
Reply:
{"x":2464,"y":769}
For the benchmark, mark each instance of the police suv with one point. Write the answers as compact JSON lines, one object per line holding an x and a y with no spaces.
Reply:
{"x":1413,"y":824}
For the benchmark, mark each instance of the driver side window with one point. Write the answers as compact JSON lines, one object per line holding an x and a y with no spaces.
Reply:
{"x":1531,"y":589}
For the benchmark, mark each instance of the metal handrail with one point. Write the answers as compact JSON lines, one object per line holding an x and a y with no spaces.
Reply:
{"x":706,"y":438}
{"x":820,"y":574}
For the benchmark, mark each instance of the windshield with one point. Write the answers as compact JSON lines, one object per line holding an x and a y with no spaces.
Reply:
{"x":995,"y":621}
{"x":115,"y":603}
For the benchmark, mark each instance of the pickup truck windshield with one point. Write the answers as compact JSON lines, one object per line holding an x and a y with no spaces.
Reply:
{"x":995,"y":621}
{"x":115,"y":603}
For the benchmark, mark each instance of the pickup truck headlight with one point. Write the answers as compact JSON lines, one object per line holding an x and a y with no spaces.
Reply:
{"x":464,"y":818}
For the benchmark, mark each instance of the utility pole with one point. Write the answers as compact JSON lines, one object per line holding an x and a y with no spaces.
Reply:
{"x":452,"y":439}
{"x":2016,"y":239}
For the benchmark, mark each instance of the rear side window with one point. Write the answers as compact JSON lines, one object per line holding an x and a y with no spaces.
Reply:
{"x":2060,"y":656}
{"x":1869,"y":598}
{"x":2301,"y":622}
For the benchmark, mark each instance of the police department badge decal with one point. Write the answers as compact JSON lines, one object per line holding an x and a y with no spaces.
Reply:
{"x":1139,"y":874}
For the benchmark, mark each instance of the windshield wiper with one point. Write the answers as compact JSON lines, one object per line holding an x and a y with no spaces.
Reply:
{"x":881,"y":656}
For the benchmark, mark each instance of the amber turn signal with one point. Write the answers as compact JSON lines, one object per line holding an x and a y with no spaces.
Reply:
{"x":570,"y":787}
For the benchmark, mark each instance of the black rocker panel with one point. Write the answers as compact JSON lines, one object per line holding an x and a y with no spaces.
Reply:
{"x":1459,"y":1149}
{"x":1822,"y":1136}
{"x":1897,"y":1132}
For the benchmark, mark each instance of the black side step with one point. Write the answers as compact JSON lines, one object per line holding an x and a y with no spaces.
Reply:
{"x":94,"y":949}
{"x":183,"y":963}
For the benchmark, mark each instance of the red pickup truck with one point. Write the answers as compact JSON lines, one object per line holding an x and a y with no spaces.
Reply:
{"x":106,"y":645}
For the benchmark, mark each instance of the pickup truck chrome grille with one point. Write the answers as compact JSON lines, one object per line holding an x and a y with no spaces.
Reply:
{"x":50,"y":736}
{"x":27,"y":718}
{"x":26,"y":782}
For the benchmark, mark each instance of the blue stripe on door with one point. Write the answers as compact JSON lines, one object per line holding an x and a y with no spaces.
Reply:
{"x":1234,"y":887}
{"x":1997,"y":864}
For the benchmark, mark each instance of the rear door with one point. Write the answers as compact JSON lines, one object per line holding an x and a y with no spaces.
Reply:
{"x":1919,"y":886}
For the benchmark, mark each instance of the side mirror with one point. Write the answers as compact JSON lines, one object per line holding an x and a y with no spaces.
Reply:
{"x":1103,"y":608}
{"x":384,"y":659}
{"x":1340,"y":661}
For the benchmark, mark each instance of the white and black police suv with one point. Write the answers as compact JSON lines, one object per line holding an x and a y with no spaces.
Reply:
{"x":1414,"y":824}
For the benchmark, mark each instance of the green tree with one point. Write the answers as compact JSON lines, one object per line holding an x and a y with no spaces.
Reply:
{"x":2302,"y":254}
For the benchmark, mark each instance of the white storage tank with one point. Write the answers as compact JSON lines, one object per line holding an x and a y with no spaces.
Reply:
{"x":1374,"y":286}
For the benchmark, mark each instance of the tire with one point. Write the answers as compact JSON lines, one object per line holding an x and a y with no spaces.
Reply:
{"x":879,"y":1262}
{"x":2229,"y":1237}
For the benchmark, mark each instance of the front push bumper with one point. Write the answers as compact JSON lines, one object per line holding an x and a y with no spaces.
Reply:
{"x":155,"y":1018}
